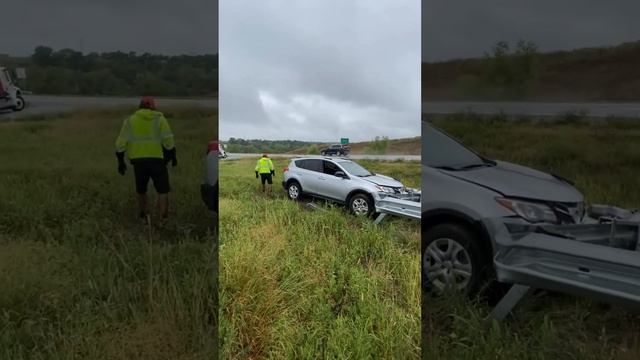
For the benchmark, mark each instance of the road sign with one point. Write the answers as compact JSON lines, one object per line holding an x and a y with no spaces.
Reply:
{"x":344,"y":141}
{"x":21,"y":73}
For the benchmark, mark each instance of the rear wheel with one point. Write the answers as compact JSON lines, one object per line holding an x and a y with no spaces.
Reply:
{"x":361,"y":205}
{"x":452,"y":259}
{"x":20,"y":103}
{"x":294,"y":191}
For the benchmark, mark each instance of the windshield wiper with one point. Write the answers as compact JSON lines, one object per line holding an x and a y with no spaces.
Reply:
{"x":447,"y":168}
{"x":473,"y":166}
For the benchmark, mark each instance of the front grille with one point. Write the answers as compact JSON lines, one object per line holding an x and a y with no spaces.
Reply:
{"x":569,"y":213}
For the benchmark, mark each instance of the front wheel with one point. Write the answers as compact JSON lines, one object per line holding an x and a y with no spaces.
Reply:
{"x":294,"y":191}
{"x":361,"y":205}
{"x":20,"y":103}
{"x":452,"y":259}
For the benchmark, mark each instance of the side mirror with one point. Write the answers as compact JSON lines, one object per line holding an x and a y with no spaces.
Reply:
{"x":340,"y":174}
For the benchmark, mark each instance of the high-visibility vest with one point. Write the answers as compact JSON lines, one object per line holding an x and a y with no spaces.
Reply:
{"x":144,"y":134}
{"x":264,"y":165}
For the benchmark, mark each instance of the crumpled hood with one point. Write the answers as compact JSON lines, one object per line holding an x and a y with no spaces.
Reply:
{"x":520,"y":181}
{"x":384,"y":181}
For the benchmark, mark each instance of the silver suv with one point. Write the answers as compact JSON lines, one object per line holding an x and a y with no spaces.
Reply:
{"x":462,"y":188}
{"x":483,"y":217}
{"x":339,"y":180}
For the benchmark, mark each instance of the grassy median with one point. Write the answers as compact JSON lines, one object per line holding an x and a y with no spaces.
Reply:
{"x":603,"y":158}
{"x":297,"y":283}
{"x":80,"y":276}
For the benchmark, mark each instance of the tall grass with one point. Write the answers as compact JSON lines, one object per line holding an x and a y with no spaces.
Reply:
{"x":302,"y":284}
{"x":81,"y":277}
{"x":603,"y":160}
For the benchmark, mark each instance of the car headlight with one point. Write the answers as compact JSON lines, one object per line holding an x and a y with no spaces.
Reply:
{"x":530,"y":211}
{"x":386,"y":189}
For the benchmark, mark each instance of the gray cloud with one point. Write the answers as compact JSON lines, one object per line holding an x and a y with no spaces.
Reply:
{"x":319,"y":70}
{"x":156,"y":26}
{"x":467,"y":28}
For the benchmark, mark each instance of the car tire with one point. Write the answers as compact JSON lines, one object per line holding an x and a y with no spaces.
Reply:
{"x":361,"y":205}
{"x":456,"y":260}
{"x":20,"y":103}
{"x":294,"y":191}
{"x":323,"y":153}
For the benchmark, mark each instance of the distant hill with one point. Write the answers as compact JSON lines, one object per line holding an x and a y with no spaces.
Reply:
{"x":590,"y":74}
{"x":410,"y":146}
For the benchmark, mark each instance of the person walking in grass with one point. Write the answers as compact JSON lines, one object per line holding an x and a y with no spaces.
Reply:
{"x":264,"y":169}
{"x":147,"y":140}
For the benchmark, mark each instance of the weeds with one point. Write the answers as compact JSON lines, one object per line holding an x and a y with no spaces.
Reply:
{"x":298,"y":284}
{"x":81,"y":277}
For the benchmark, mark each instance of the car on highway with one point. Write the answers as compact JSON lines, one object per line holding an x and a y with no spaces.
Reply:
{"x":484,"y":219}
{"x":10,"y":95}
{"x":335,"y":150}
{"x":209,"y":188}
{"x":339,"y":180}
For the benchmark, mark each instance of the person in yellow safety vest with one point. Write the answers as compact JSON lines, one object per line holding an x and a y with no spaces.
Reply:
{"x":264,"y":168}
{"x":147,"y":140}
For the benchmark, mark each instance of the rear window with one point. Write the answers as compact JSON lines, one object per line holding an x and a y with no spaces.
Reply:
{"x":310,"y":164}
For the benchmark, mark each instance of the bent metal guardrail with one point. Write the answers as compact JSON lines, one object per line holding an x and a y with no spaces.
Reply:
{"x":409,"y":208}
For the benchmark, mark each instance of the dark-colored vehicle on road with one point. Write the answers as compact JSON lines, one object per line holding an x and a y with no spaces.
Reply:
{"x":335,"y":150}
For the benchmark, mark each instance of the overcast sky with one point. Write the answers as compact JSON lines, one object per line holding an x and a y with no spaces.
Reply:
{"x":156,"y":26}
{"x":467,"y":28}
{"x":319,"y":70}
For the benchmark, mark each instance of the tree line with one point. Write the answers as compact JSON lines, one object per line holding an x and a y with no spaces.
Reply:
{"x":71,"y":72}
{"x":254,"y":146}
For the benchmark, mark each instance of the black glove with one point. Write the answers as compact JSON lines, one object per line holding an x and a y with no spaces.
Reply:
{"x":256,"y":174}
{"x":170,"y":156}
{"x":122,"y":167}
{"x":273,"y":173}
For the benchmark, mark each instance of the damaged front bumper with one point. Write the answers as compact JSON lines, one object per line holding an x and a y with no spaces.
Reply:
{"x":599,"y":258}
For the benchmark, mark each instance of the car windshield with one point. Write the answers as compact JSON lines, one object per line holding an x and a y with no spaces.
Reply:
{"x":355,"y":169}
{"x":441,"y":151}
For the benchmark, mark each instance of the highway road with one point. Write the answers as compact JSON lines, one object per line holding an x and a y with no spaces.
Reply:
{"x":353,"y":157}
{"x":42,"y":104}
{"x":596,"y":110}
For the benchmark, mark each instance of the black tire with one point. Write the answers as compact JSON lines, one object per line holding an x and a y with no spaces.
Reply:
{"x":357,"y":202}
{"x":450,"y":236}
{"x":295,"y":188}
{"x":20,"y":103}
{"x":323,"y":153}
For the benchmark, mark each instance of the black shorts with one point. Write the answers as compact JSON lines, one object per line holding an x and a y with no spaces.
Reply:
{"x":154,"y":170}
{"x":267,"y":178}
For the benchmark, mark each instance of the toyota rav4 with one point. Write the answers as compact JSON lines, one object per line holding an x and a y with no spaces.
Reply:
{"x":339,"y":180}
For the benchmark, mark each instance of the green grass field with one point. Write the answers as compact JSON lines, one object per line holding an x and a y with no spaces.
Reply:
{"x":303,"y":284}
{"x":604,"y":160}
{"x":80,"y":276}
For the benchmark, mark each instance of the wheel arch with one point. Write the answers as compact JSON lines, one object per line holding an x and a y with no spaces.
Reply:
{"x":444,"y":216}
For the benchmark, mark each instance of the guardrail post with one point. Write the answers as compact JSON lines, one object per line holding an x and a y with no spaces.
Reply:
{"x":510,"y":300}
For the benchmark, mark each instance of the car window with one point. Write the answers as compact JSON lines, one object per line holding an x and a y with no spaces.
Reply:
{"x":302,"y":164}
{"x":440,"y":150}
{"x":310,"y":164}
{"x":355,"y":169}
{"x":330,"y":168}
